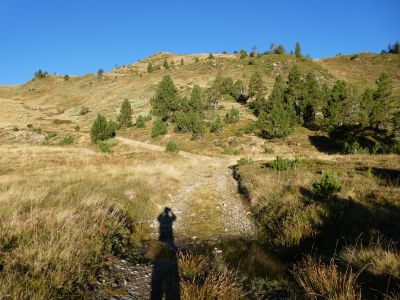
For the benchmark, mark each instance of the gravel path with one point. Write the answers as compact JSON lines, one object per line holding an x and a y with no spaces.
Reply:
{"x":208,"y":196}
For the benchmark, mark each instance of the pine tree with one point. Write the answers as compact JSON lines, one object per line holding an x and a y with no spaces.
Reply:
{"x":243,"y":54}
{"x":182,"y":62}
{"x":280,"y":50}
{"x":256,"y":86}
{"x":124,"y":118}
{"x":101,"y":129}
{"x":100,"y":72}
{"x":159,"y":128}
{"x":166,"y":101}
{"x":196,"y":100}
{"x":333,"y":111}
{"x":165,"y":64}
{"x":294,"y":93}
{"x":275,"y":121}
{"x":379,"y":116}
{"x":311,"y":100}
{"x":297,"y":51}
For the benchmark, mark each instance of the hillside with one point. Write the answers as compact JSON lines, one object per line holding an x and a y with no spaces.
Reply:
{"x":85,"y":220}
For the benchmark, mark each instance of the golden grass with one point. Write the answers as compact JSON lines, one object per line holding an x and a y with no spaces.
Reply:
{"x":325,"y":281}
{"x":63,"y":208}
{"x":378,"y":257}
{"x":203,"y":280}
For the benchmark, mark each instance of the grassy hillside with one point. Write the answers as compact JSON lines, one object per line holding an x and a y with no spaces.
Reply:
{"x":363,"y":69}
{"x":53,"y":181}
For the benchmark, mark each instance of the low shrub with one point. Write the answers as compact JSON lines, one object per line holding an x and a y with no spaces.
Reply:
{"x":84,"y":110}
{"x":29,"y":125}
{"x":216,"y":125}
{"x":140,"y":122}
{"x":77,"y":128}
{"x":68,"y":140}
{"x":244,"y":161}
{"x":230,"y":151}
{"x":15,"y":128}
{"x":353,"y":147}
{"x":232,"y":116}
{"x":172,"y":147}
{"x":327,"y":186}
{"x":159,"y":128}
{"x":268,"y":150}
{"x":282,"y":164}
{"x":104,"y":147}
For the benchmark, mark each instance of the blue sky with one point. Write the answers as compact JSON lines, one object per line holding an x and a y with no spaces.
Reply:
{"x":77,"y":37}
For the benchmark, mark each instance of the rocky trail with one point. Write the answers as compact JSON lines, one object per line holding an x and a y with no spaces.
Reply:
{"x":208,"y":208}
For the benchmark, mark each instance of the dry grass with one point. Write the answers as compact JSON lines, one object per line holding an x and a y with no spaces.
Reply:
{"x":62,"y":209}
{"x":378,"y":257}
{"x":325,"y":281}
{"x":202,"y":279}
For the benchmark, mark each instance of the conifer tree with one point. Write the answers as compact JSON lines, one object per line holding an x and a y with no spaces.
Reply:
{"x":165,"y":64}
{"x":140,"y":123}
{"x":280,"y":50}
{"x":333,"y":111}
{"x":256,"y":86}
{"x":297,"y":51}
{"x":196,"y":100}
{"x":311,"y":100}
{"x":182,"y":62}
{"x":166,"y":101}
{"x":101,"y":129}
{"x":124,"y":118}
{"x":379,"y":117}
{"x":294,"y":93}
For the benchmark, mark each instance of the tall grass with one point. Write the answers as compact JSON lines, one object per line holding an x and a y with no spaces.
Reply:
{"x":325,"y":281}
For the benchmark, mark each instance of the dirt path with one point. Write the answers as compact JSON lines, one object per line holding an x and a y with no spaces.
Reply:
{"x":208,"y":208}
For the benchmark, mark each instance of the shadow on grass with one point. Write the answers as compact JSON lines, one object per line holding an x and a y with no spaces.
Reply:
{"x":325,"y":144}
{"x":389,"y":177}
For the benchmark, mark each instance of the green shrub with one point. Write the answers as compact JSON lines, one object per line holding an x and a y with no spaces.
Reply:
{"x":282,"y":164}
{"x":172,"y":147}
{"x":77,"y":128}
{"x":38,"y":130}
{"x":124,"y":118}
{"x":396,"y":147}
{"x":183,"y":122}
{"x":102,"y":129}
{"x":104,"y":147}
{"x":377,"y":148}
{"x":268,"y":150}
{"x":29,"y":126}
{"x":230,"y":151}
{"x":250,"y":128}
{"x":68,"y":140}
{"x":51,"y":135}
{"x":244,"y":161}
{"x":327,"y":186}
{"x":211,"y":56}
{"x":232,"y":116}
{"x":354,"y":148}
{"x":216,"y":125}
{"x":140,"y":122}
{"x":147,"y":118}
{"x":15,"y":128}
{"x":159,"y":128}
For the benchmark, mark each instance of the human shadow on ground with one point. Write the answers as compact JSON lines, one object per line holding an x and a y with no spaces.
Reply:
{"x":165,"y":275}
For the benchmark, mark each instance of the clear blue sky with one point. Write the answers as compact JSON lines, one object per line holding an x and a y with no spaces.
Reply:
{"x":80,"y":36}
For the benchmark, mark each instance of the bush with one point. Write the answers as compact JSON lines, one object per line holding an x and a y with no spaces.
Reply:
{"x":232,"y":116}
{"x":77,"y":128}
{"x":353,"y":148}
{"x":172,"y":147}
{"x":104,"y":147}
{"x":282,"y":164}
{"x":231,"y":151}
{"x":102,"y":129}
{"x":268,"y":150}
{"x":15,"y":128}
{"x":211,"y":56}
{"x":396,"y":147}
{"x":29,"y":126}
{"x":140,"y":122}
{"x":189,"y":121}
{"x":216,"y":125}
{"x":66,"y":77}
{"x":159,"y":128}
{"x":244,"y":161}
{"x":327,"y":186}
{"x":68,"y":140}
